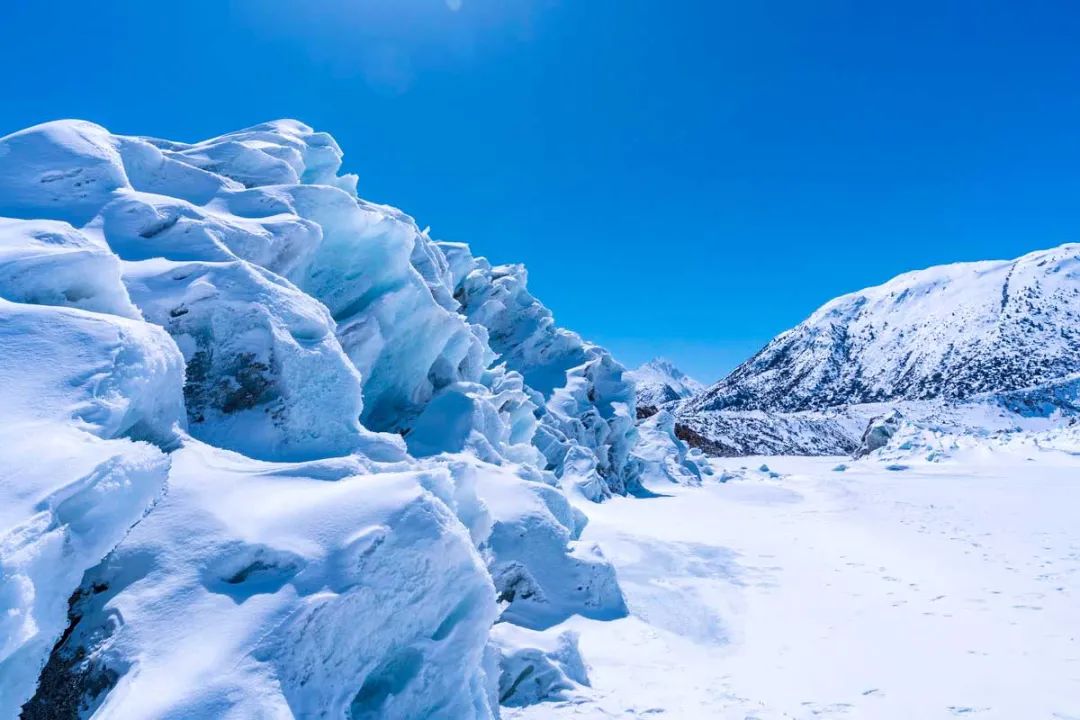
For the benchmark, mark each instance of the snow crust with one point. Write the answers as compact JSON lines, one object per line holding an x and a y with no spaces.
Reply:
{"x":268,"y":450}
{"x":279,"y":590}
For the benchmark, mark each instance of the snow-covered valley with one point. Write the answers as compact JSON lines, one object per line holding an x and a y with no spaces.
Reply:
{"x":936,"y":590}
{"x":269,"y":450}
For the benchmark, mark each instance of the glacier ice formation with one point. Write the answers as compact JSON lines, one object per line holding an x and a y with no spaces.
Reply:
{"x":267,"y":449}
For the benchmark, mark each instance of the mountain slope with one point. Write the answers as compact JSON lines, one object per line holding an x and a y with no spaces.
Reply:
{"x":946,"y":332}
{"x":989,"y":346}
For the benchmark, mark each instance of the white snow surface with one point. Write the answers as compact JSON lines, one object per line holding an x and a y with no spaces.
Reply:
{"x":937,"y":578}
{"x":270,"y":451}
{"x":78,"y":388}
{"x":304,"y":590}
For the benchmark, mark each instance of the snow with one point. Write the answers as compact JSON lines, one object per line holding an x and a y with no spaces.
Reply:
{"x":585,"y":398}
{"x":984,"y":346}
{"x":267,"y":590}
{"x":266,"y":375}
{"x":59,"y":171}
{"x":537,"y":666}
{"x":950,"y":331}
{"x":541,"y":572}
{"x":79,"y":390}
{"x":946,"y":589}
{"x":664,"y":458}
{"x":840,"y":429}
{"x":270,"y":450}
{"x":44,"y":262}
{"x":267,"y":449}
{"x":659,"y":382}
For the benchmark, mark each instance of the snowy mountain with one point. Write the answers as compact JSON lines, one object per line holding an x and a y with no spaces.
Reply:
{"x":267,"y":450}
{"x":947,"y":332}
{"x":659,"y":382}
{"x":991,"y":345}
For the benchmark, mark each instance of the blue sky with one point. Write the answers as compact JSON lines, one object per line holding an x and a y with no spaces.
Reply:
{"x":681,"y":178}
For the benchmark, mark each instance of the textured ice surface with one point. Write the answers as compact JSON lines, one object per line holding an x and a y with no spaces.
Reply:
{"x":587,"y":419}
{"x":270,"y":451}
{"x":664,"y":458}
{"x":266,"y":375}
{"x":537,"y":666}
{"x":80,"y":394}
{"x":285,"y":590}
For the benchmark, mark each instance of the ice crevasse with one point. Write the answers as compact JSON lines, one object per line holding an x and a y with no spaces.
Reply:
{"x":268,"y":450}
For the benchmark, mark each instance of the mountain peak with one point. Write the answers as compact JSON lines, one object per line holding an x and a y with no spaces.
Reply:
{"x":659,"y":382}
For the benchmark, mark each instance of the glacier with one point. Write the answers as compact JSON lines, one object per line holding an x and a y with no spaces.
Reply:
{"x":269,"y":450}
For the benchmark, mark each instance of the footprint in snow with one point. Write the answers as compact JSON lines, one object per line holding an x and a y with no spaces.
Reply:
{"x":830,"y":710}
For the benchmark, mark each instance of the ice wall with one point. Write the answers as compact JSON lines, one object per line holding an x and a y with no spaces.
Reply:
{"x":283,"y":411}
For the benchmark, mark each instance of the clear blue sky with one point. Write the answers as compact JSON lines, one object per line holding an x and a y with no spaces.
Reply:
{"x":684,"y":178}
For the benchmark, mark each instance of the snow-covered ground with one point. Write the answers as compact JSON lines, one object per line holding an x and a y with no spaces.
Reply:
{"x":933,"y":589}
{"x":268,"y":450}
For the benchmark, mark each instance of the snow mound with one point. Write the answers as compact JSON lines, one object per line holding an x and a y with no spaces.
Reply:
{"x":664,"y":457}
{"x":538,"y":666}
{"x":64,"y":170}
{"x":541,"y":574}
{"x":44,"y":262}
